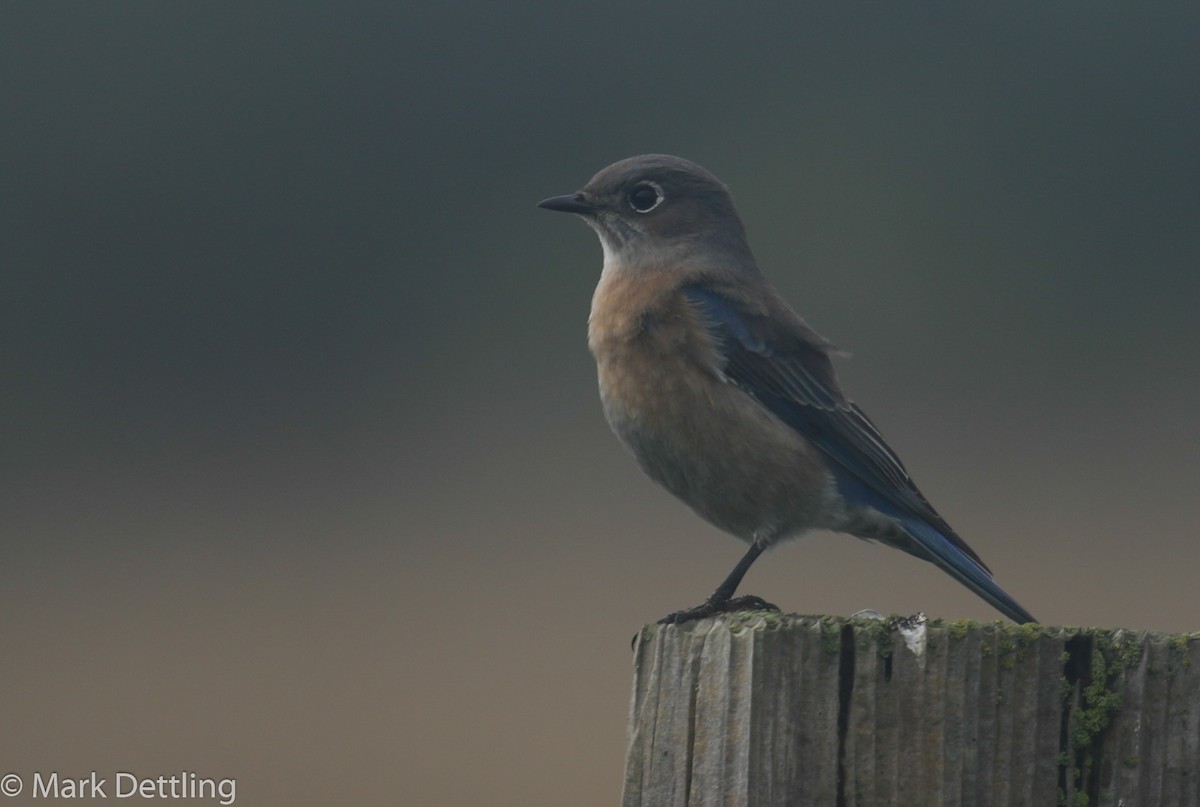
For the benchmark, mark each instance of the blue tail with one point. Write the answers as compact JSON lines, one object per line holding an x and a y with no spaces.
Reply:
{"x":939,"y":545}
{"x":963,"y":568}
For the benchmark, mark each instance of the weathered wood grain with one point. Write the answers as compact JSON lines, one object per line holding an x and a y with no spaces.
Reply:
{"x":761,"y":709}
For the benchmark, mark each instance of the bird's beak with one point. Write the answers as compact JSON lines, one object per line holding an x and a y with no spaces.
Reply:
{"x":571,"y":203}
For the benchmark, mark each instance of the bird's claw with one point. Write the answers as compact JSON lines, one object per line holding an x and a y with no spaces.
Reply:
{"x":710,"y":607}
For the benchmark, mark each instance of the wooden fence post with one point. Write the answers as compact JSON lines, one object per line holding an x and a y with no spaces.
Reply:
{"x":762,"y":709}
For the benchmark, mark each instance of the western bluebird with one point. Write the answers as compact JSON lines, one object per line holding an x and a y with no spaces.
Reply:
{"x":725,"y":396}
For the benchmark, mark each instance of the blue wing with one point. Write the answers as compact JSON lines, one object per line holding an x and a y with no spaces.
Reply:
{"x":790,"y":373}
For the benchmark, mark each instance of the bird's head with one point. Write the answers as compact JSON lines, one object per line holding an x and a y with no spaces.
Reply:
{"x":657,"y":210}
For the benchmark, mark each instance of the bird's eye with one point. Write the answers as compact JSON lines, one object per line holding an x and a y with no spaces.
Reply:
{"x":645,"y":197}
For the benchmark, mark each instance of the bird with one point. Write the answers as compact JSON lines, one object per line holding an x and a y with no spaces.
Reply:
{"x":726,"y":397}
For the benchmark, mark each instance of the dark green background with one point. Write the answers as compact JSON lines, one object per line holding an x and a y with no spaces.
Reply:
{"x":304,"y":477}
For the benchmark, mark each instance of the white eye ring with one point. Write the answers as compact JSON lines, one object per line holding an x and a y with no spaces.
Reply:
{"x":643,"y":186}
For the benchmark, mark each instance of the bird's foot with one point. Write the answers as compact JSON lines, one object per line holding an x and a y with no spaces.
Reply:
{"x":712,"y":606}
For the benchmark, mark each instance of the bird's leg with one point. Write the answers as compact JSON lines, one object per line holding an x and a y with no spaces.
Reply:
{"x":722,"y":600}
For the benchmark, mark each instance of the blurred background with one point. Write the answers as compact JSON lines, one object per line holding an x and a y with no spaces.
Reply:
{"x":304,"y":478}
